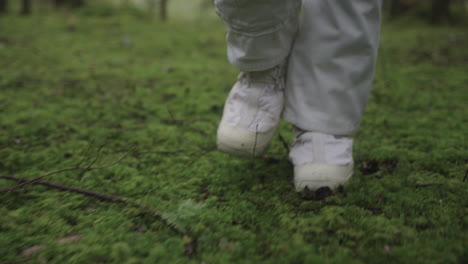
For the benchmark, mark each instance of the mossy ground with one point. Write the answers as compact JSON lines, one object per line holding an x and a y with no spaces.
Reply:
{"x":88,"y":86}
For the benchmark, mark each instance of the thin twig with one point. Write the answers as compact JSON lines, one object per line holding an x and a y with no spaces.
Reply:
{"x":88,"y":168}
{"x":113,"y":163}
{"x":255,"y":142}
{"x":283,"y":141}
{"x":160,"y":152}
{"x":97,"y":157}
{"x":67,"y":188}
{"x":101,"y":196}
{"x":86,"y":155}
{"x":201,"y":155}
{"x":253,"y":159}
{"x":171,"y":115}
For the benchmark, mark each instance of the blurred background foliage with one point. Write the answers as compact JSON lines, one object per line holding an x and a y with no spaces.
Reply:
{"x":435,"y":12}
{"x":161,"y":9}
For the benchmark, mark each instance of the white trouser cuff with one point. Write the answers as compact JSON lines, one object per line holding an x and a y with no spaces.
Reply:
{"x":261,"y":52}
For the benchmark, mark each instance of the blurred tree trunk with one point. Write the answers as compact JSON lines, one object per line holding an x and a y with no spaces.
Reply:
{"x":441,"y":11}
{"x":77,"y":3}
{"x":59,"y":3}
{"x":163,"y":10}
{"x":3,"y":6}
{"x":72,"y":3}
{"x":26,"y":7}
{"x":399,"y":7}
{"x":395,"y":8}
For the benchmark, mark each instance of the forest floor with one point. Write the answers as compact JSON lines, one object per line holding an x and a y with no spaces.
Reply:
{"x":90,"y":89}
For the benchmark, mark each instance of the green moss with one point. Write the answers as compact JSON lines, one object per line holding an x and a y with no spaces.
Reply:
{"x":86,"y":87}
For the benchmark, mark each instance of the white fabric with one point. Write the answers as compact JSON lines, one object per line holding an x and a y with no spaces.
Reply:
{"x":332,"y":56}
{"x":315,"y":147}
{"x":256,"y":101}
{"x":321,"y":160}
{"x":318,"y":175}
{"x":252,"y":112}
{"x":260,"y":32}
{"x":242,"y":142}
{"x":262,"y":52}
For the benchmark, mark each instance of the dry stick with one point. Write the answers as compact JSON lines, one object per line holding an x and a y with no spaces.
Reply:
{"x":97,"y":157}
{"x":67,"y":188}
{"x":160,"y":152}
{"x":101,"y":196}
{"x":252,"y":164}
{"x":283,"y":141}
{"x":86,"y":155}
{"x":67,"y":169}
{"x":255,"y":143}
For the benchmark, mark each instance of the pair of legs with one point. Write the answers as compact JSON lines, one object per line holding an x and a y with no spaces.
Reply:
{"x":326,"y":51}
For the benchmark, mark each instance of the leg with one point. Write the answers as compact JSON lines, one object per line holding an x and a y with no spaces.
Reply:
{"x":332,"y":65}
{"x":331,"y":69}
{"x":260,"y":35}
{"x":260,"y":32}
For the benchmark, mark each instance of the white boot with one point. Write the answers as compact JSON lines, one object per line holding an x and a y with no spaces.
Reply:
{"x":321,"y":160}
{"x":252,"y":112}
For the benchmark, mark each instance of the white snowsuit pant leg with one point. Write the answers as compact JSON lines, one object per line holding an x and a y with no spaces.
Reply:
{"x":332,"y":65}
{"x":332,"y":56}
{"x":260,"y":32}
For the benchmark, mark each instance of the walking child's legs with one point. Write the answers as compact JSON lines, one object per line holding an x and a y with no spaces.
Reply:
{"x":330,"y":73}
{"x":331,"y":67}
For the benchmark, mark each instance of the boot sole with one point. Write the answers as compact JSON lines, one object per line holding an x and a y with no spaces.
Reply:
{"x":241,"y":142}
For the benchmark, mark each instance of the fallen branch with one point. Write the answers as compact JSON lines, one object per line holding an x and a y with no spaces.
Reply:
{"x":283,"y":141}
{"x":88,"y":168}
{"x":101,"y":196}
